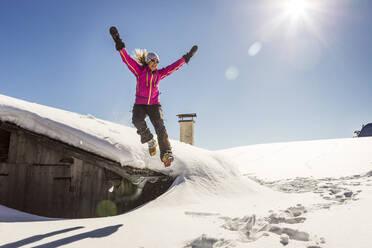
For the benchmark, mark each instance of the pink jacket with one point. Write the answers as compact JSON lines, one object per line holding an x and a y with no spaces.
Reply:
{"x":147,"y":90}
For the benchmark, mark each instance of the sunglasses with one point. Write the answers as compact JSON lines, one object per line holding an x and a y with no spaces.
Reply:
{"x":154,"y":60}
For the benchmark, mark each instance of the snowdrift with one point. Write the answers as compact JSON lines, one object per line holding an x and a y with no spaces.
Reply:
{"x":317,"y":158}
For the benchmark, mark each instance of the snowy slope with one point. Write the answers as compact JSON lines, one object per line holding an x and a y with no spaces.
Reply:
{"x":251,"y":196}
{"x":319,"y":158}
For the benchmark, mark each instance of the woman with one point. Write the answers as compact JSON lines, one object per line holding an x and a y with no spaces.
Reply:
{"x":145,"y":67}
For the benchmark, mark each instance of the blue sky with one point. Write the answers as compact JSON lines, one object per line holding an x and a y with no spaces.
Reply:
{"x":261,"y":74}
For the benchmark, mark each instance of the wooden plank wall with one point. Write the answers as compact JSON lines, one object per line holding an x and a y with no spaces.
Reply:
{"x":40,"y":179}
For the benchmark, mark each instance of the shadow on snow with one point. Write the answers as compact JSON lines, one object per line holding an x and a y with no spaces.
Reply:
{"x":98,"y":233}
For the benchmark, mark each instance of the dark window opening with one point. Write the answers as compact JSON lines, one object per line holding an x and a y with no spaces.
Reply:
{"x":67,"y":160}
{"x":4,"y":145}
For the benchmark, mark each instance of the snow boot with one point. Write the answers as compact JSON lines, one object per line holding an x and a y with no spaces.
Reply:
{"x":167,"y":158}
{"x":152,"y":147}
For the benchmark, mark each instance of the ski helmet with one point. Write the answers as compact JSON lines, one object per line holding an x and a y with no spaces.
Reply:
{"x":152,"y":56}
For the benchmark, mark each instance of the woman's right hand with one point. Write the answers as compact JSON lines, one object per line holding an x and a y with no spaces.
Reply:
{"x":119,"y":44}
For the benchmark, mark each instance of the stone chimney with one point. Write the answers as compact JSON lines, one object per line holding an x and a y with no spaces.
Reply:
{"x":187,"y":128}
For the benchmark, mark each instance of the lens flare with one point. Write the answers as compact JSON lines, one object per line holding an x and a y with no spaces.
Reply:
{"x":232,"y":73}
{"x":106,"y":208}
{"x":254,"y":49}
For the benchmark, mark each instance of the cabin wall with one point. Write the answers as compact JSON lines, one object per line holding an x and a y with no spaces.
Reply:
{"x":43,"y":181}
{"x":46,"y":177}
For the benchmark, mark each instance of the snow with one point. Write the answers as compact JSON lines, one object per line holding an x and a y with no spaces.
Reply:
{"x":319,"y":158}
{"x":117,"y":142}
{"x":253,"y":196}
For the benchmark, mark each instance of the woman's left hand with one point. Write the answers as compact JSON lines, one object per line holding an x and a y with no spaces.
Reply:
{"x":191,"y":53}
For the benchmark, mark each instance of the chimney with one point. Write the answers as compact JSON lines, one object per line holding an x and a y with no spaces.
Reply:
{"x":187,"y":128}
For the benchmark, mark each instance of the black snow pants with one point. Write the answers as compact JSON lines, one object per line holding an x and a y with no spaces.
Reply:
{"x":140,"y":112}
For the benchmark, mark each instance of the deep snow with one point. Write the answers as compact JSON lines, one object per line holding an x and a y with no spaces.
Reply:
{"x":309,"y":194}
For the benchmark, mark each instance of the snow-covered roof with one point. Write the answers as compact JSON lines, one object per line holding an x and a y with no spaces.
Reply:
{"x":111,"y":140}
{"x":101,"y":137}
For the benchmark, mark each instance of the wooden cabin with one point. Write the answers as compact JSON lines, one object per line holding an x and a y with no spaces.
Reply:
{"x":46,"y":177}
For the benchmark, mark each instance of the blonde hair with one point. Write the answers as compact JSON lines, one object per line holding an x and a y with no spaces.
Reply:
{"x":140,"y":56}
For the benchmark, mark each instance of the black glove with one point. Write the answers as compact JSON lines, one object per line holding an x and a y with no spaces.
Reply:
{"x":119,"y":44}
{"x":188,"y":55}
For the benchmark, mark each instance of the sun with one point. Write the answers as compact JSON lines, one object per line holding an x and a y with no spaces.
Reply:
{"x":295,"y":18}
{"x":296,"y":8}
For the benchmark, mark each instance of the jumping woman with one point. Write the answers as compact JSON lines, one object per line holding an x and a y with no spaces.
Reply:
{"x":145,"y":67}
